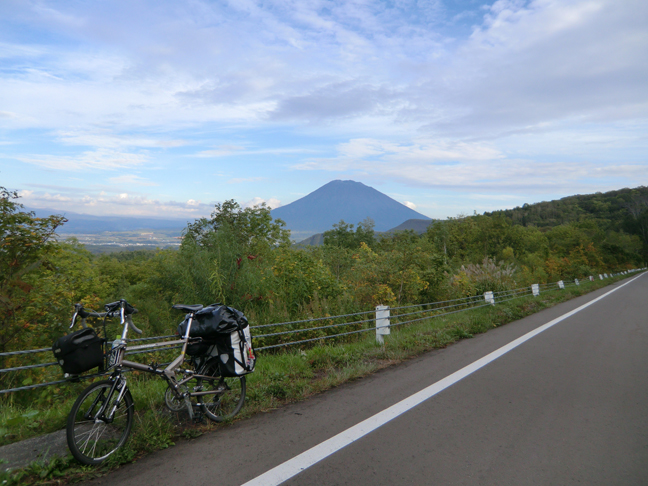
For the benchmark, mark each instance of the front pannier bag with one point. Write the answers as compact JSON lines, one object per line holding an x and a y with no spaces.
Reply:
{"x":79,"y":351}
{"x":228,"y":329}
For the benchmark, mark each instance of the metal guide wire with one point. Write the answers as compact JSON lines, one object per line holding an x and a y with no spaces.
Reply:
{"x":481,"y":299}
{"x":312,"y":320}
{"x":313,"y":328}
{"x":314,"y":339}
{"x":437,"y":315}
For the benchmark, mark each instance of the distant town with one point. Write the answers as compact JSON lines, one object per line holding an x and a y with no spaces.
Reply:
{"x":112,"y":241}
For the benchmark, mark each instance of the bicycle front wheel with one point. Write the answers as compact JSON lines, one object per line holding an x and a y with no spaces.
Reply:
{"x":91,"y":436}
{"x":229,"y":397}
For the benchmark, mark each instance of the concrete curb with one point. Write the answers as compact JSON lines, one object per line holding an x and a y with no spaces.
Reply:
{"x":20,"y":454}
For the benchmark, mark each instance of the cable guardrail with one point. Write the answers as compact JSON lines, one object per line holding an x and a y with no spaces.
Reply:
{"x":435,"y":309}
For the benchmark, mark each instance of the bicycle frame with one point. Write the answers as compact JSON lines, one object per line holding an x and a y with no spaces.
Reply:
{"x":108,"y":405}
{"x":167,"y":373}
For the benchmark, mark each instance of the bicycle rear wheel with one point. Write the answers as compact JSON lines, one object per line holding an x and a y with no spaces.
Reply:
{"x":230,"y":395}
{"x":92,"y":438}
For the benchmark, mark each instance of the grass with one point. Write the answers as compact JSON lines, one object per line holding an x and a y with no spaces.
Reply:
{"x":281,"y":378}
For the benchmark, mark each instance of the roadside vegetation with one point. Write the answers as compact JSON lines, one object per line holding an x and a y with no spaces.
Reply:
{"x":241,"y":257}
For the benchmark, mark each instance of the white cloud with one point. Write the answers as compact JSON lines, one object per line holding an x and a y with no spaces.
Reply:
{"x":271,"y":202}
{"x":471,"y":166}
{"x":100,"y":159}
{"x":107,"y":204}
{"x":132,"y":180}
{"x":242,"y":180}
{"x":222,"y":151}
{"x":107,"y":139}
{"x":361,"y":154}
{"x":409,"y":204}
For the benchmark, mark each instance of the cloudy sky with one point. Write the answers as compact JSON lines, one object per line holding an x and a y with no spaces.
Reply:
{"x":164,"y":107}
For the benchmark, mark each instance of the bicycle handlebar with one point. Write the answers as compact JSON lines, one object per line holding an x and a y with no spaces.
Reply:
{"x":111,"y":310}
{"x":129,"y":322}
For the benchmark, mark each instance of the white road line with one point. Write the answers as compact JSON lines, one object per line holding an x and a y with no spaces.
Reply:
{"x":303,"y":461}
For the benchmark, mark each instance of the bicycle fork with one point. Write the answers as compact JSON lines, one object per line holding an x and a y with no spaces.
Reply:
{"x":100,"y":416}
{"x":120,"y":385}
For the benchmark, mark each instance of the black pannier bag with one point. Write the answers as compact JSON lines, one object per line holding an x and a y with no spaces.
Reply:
{"x":213,"y":320}
{"x":226,"y":328}
{"x":79,"y":351}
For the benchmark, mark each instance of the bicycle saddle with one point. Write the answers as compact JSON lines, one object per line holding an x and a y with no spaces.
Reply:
{"x":188,"y":308}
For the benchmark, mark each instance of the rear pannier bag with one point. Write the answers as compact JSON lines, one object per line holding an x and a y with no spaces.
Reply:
{"x":79,"y":351}
{"x":235,"y":353}
{"x":228,"y":329}
{"x":199,"y":349}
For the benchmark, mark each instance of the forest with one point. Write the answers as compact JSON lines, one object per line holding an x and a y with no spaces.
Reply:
{"x":245,"y":259}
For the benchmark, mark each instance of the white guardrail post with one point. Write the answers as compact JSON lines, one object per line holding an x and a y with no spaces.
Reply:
{"x":489,"y":297}
{"x":576,"y":281}
{"x":561,"y":284}
{"x":382,"y":323}
{"x":535,"y":288}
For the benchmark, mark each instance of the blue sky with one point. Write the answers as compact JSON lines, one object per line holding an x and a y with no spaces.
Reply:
{"x":163,"y":108}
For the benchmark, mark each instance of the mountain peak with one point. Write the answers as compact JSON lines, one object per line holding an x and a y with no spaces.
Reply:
{"x":348,"y":200}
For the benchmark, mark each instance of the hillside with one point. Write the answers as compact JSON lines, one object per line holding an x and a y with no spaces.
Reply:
{"x":419,"y":226}
{"x":610,"y":209}
{"x":343,"y":200}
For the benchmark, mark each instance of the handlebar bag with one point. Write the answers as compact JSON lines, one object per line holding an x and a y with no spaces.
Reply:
{"x":79,"y":351}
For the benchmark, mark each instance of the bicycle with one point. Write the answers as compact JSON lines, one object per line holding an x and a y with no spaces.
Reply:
{"x":102,"y":416}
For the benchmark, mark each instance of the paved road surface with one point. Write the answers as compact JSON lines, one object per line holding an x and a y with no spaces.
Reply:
{"x":569,"y":406}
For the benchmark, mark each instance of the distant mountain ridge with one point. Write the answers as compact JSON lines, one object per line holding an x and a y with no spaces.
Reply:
{"x":338,"y":200}
{"x":88,"y":224}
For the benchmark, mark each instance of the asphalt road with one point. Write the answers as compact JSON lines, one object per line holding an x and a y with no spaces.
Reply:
{"x":568,"y":406}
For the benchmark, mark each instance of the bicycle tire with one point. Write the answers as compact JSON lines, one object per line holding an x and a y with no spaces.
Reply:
{"x":90,"y":440}
{"x":225,"y":404}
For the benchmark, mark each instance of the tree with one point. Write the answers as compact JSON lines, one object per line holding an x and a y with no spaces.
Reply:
{"x":252,"y":228}
{"x":637,"y":222}
{"x":343,"y":236}
{"x":25,"y":242}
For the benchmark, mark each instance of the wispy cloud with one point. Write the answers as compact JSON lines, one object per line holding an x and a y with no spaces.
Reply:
{"x":101,"y":159}
{"x":243,"y":180}
{"x":105,"y":204}
{"x":131,"y":180}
